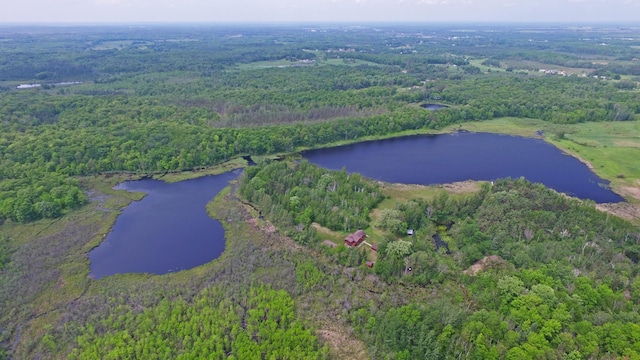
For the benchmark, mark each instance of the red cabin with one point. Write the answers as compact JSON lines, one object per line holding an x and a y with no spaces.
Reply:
{"x":369,"y":264}
{"x":355,"y":239}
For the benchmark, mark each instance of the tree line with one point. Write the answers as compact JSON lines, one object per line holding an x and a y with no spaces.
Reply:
{"x":150,"y":105}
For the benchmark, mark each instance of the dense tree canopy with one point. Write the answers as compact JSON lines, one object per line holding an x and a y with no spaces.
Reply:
{"x":555,"y":281}
{"x":152,"y":105}
{"x":512,"y":271}
{"x":212,"y":327}
{"x":296,"y":196}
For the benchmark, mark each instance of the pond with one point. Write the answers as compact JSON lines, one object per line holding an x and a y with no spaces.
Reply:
{"x":441,"y":159}
{"x":168,"y":230}
{"x":433,"y":107}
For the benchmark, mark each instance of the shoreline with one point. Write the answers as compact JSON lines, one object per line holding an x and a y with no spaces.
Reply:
{"x":629,"y":189}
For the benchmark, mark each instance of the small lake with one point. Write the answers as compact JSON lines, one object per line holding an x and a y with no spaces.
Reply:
{"x":441,"y":159}
{"x":168,"y":230}
{"x":433,"y":107}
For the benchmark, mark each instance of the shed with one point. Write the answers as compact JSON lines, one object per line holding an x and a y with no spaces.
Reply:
{"x":369,"y":264}
{"x":374,"y":247}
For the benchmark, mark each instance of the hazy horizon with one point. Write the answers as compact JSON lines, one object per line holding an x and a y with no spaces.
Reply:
{"x":56,"y":12}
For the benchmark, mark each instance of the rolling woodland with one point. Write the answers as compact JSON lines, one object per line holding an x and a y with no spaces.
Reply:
{"x":502,"y":270}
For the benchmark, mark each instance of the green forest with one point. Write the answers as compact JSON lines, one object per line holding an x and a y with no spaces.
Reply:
{"x":508,"y":269}
{"x":149,"y":117}
{"x":211,"y":327}
{"x":557,"y":283}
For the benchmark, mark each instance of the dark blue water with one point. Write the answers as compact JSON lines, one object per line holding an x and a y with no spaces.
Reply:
{"x":433,"y":107}
{"x":168,"y":230}
{"x":441,"y":159}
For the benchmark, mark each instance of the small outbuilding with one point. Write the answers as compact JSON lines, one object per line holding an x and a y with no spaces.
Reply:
{"x":374,"y":247}
{"x":369,"y":264}
{"x":355,"y":239}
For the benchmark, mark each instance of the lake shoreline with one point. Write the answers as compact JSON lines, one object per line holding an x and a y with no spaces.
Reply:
{"x":466,"y":155}
{"x":168,"y":230}
{"x":630,"y":193}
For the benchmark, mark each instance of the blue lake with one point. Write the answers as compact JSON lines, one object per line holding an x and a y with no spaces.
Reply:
{"x":433,"y":107}
{"x":440,"y":159}
{"x":168,"y":230}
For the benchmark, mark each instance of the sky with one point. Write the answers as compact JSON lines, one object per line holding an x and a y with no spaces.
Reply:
{"x":276,"y":11}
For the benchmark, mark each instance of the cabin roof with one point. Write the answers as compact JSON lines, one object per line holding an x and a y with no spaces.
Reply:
{"x":355,"y":238}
